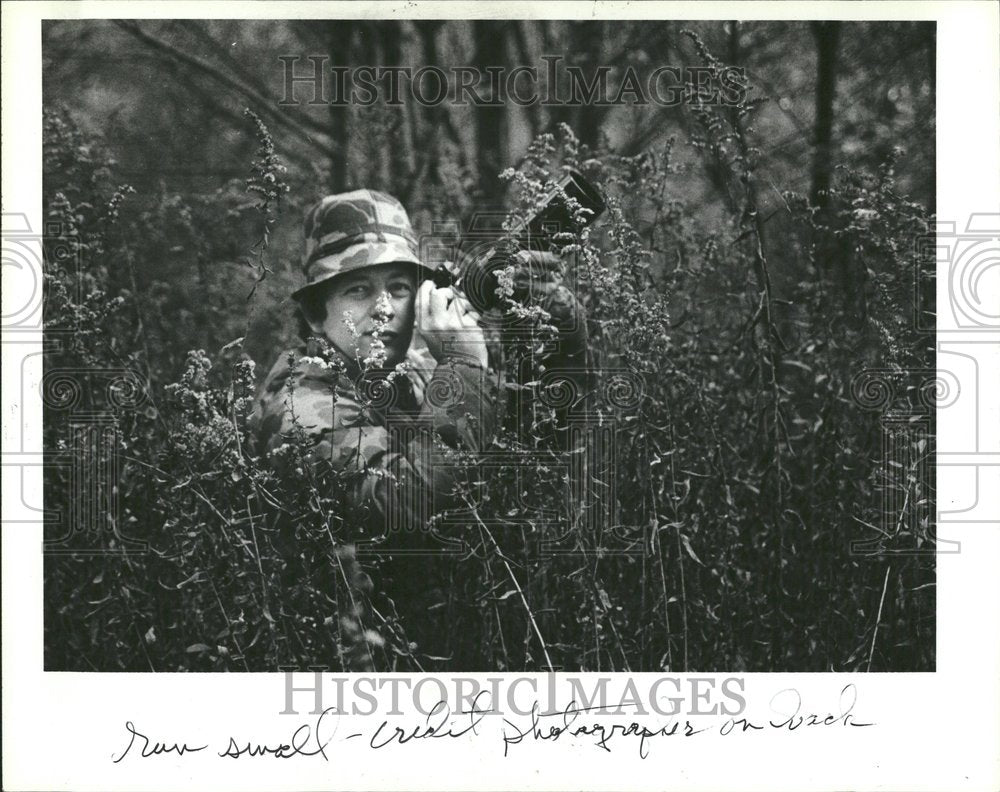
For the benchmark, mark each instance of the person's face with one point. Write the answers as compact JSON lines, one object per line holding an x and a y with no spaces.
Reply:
{"x":358,"y":303}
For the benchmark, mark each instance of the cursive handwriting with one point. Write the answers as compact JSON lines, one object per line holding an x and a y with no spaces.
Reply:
{"x":157,"y":748}
{"x":436,"y":725}
{"x":603,"y":733}
{"x":793,"y":720}
{"x":296,"y":747}
{"x":787,"y":704}
{"x":787,"y":714}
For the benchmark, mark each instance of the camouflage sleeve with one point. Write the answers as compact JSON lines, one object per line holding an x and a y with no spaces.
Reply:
{"x":389,"y":459}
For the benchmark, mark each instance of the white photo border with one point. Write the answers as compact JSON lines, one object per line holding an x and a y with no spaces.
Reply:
{"x":932,"y":731}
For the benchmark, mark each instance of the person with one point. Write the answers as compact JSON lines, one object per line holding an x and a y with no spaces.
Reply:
{"x":380,"y":341}
{"x":393,"y":371}
{"x":396,"y":393}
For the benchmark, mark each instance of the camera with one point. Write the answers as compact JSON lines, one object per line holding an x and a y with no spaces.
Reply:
{"x":476,"y":277}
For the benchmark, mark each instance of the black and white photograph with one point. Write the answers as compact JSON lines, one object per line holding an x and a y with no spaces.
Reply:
{"x":489,"y":346}
{"x":597,"y":349}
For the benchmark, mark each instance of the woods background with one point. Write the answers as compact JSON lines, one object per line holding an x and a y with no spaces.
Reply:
{"x":760,"y":271}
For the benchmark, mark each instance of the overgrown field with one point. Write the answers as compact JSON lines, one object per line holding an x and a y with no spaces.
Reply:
{"x":746,"y":516}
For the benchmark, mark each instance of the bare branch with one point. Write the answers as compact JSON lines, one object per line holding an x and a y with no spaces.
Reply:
{"x":306,"y":129}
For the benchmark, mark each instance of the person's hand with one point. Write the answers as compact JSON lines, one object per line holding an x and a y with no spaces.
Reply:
{"x":536,"y":274}
{"x":539,"y":280}
{"x":449,"y":325}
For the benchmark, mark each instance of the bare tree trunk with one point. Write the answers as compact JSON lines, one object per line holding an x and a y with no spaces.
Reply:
{"x":827,"y":35}
{"x":533,"y":112}
{"x":339,"y":42}
{"x":430,"y":124}
{"x":835,"y":256}
{"x":587,"y":39}
{"x":490,"y":50}
{"x":398,"y":150}
{"x":552,"y":45}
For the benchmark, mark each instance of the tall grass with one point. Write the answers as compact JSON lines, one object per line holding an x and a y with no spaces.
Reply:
{"x":707,"y":525}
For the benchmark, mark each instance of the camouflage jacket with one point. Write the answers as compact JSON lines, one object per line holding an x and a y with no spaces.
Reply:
{"x":384,"y":432}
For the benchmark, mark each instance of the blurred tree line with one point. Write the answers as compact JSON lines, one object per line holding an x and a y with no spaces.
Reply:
{"x":167,"y":99}
{"x":755,"y":259}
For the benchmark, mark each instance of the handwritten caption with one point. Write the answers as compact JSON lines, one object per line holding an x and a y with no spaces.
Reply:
{"x":320,"y":738}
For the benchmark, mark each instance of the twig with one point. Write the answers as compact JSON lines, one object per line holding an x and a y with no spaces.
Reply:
{"x":684,"y":602}
{"x":517,"y":586}
{"x":229,"y":624}
{"x":260,"y":567}
{"x":878,"y":618}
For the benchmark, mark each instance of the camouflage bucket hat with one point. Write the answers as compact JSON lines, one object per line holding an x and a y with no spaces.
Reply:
{"x":353,"y":230}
